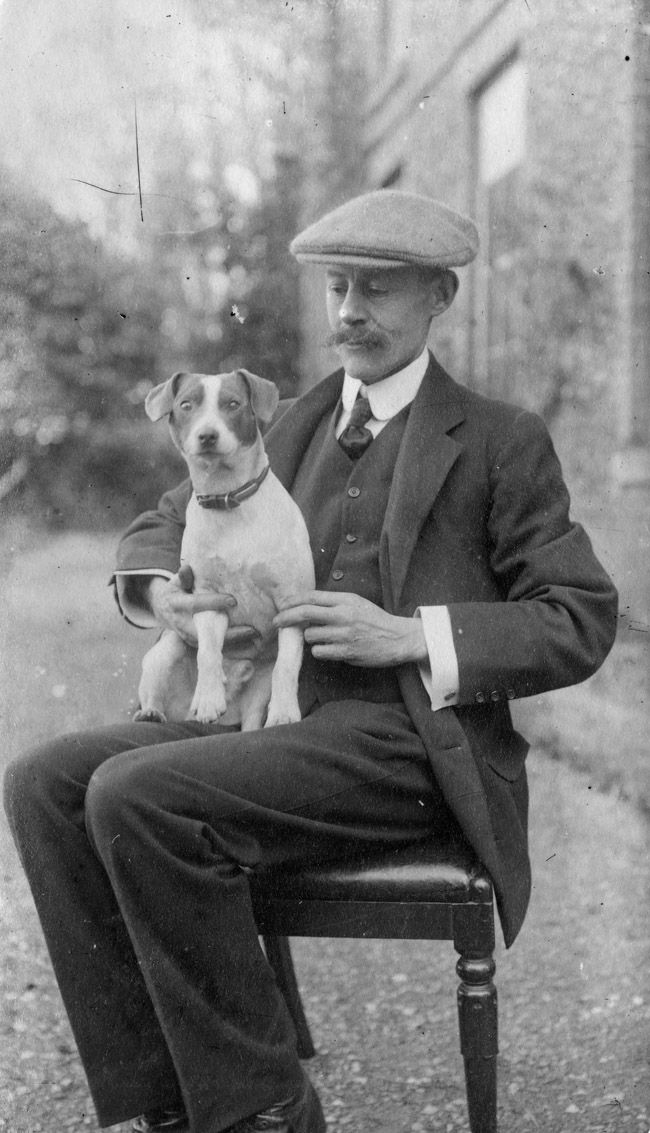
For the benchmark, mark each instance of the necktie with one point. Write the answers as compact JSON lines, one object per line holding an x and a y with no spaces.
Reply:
{"x":355,"y":438}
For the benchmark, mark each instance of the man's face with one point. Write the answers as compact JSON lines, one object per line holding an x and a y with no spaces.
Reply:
{"x":380,"y":317}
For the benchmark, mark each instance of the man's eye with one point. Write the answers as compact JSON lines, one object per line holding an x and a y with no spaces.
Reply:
{"x":377,"y":292}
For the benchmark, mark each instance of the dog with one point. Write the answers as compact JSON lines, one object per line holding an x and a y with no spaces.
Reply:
{"x":244,"y":536}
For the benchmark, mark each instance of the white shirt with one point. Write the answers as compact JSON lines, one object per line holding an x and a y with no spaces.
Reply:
{"x":386,"y":398}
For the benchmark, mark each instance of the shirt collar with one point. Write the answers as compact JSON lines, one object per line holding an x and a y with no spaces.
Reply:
{"x":388,"y":396}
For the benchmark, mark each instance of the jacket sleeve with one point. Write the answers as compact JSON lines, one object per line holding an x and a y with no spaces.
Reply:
{"x":558,"y":621}
{"x":154,"y":538}
{"x":150,"y":546}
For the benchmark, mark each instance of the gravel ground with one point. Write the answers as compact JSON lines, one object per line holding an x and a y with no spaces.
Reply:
{"x":574,"y":992}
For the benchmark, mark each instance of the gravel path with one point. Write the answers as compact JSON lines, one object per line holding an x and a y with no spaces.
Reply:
{"x":574,"y":998}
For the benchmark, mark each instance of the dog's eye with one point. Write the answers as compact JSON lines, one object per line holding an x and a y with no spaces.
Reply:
{"x":234,"y":404}
{"x":186,"y":404}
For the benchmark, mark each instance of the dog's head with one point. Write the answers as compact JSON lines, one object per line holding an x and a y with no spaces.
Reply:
{"x":213,"y":414}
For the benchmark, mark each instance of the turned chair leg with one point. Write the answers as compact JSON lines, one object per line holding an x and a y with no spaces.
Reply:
{"x":477,"y":1016}
{"x":278,"y":954}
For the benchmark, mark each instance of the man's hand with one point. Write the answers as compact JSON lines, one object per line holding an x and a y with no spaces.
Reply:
{"x":345,"y":627}
{"x":174,"y":603}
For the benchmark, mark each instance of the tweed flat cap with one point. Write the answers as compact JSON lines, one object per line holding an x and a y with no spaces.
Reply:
{"x":388,"y":228}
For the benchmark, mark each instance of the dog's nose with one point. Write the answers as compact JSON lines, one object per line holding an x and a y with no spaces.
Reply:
{"x":208,"y":436}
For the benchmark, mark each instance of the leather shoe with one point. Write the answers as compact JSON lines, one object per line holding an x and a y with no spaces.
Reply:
{"x":300,"y":1114}
{"x":161,"y":1121}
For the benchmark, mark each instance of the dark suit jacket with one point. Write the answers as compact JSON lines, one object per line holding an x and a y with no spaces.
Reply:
{"x":477,"y":520}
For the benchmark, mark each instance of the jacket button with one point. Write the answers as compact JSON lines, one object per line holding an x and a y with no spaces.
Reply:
{"x":337,"y":575}
{"x":495,"y":695}
{"x":350,"y":538}
{"x":354,"y":493}
{"x":480,"y":698}
{"x":510,"y":693}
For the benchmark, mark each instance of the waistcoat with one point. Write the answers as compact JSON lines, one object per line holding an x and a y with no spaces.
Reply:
{"x":344,"y":502}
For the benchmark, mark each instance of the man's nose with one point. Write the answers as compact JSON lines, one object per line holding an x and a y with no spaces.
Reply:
{"x":352,"y":309}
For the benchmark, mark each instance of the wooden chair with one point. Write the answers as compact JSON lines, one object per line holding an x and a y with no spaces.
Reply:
{"x":429,"y":891}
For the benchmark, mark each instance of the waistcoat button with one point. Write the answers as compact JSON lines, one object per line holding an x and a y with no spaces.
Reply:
{"x":337,"y":575}
{"x":354,"y":493}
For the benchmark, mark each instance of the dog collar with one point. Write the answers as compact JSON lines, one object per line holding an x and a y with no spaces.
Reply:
{"x":230,"y":500}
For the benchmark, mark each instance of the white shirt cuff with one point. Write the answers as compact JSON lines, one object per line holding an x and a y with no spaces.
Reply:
{"x":138,"y":615}
{"x":440,"y":675}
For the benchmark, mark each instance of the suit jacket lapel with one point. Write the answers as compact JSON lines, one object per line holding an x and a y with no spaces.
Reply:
{"x":287,"y":441}
{"x":425,"y":458}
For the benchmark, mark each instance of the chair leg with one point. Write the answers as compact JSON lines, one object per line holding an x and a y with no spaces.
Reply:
{"x":477,"y":1016}
{"x":278,"y":954}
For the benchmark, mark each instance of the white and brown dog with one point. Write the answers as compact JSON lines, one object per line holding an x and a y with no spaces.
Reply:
{"x":244,"y":536}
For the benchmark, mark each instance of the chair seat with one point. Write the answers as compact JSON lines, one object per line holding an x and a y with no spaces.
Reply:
{"x":428,"y":871}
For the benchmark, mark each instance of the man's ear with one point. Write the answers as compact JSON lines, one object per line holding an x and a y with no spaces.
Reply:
{"x":264,"y":395}
{"x":159,"y":402}
{"x":443,"y":291}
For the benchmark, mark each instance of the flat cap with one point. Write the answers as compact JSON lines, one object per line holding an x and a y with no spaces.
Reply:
{"x":389,"y":228}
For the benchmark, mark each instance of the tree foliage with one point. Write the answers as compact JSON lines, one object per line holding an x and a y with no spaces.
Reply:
{"x":71,"y":357}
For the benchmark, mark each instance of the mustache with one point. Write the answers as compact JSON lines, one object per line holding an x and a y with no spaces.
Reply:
{"x":356,"y":338}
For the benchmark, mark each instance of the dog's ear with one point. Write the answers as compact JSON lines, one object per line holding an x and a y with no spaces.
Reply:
{"x":264,"y":395}
{"x":159,"y":402}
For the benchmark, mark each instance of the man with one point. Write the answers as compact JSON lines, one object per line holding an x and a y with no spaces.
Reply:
{"x":450,"y":580}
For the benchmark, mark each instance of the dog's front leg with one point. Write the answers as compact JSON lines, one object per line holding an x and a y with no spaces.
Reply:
{"x":283,"y":706}
{"x":209,"y":702}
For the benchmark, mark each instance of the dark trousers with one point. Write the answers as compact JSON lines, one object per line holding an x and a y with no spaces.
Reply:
{"x":136,"y":840}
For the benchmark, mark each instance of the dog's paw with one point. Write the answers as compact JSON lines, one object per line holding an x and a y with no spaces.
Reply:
{"x":149,"y":717}
{"x":282,"y":713}
{"x":208,"y":708}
